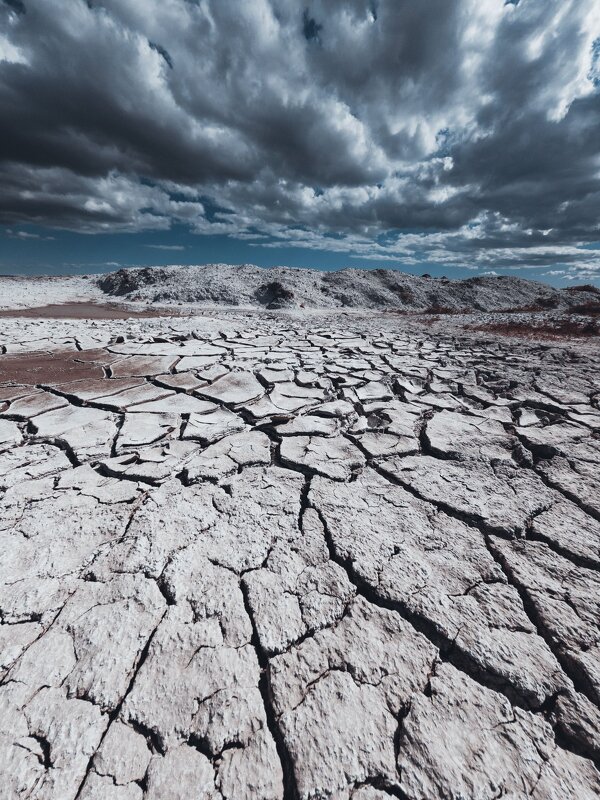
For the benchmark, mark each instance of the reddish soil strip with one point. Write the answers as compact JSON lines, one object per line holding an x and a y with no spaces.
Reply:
{"x":34,"y":368}
{"x":83,"y":311}
{"x":560,"y":329}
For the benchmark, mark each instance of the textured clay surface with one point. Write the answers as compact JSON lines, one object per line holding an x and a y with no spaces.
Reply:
{"x":276,"y":557}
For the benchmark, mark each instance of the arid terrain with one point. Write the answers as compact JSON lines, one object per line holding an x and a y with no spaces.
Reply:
{"x":301,"y":555}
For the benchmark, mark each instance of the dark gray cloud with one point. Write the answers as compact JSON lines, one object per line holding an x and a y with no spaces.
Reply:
{"x":16,"y":5}
{"x":464,"y":131}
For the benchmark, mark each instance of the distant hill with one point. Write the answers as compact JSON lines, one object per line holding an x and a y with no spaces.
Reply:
{"x":283,"y":287}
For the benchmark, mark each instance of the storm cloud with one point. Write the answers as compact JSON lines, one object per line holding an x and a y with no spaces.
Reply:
{"x":461,"y":131}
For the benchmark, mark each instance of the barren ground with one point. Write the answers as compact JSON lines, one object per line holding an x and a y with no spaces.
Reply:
{"x":297,"y":556}
{"x":79,"y":310}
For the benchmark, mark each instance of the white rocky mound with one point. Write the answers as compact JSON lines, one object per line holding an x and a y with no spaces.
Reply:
{"x":245,"y":559}
{"x":282,"y":287}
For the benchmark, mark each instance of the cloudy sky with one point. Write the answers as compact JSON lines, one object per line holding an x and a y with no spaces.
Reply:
{"x":448,"y":136}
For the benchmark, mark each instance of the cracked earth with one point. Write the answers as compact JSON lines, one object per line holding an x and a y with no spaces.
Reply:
{"x":276,"y":557}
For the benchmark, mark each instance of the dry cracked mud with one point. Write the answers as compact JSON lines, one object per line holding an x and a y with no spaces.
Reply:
{"x":296,"y":558}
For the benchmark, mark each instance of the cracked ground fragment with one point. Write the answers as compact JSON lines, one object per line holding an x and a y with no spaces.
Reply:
{"x":87,"y":432}
{"x":577,"y":480}
{"x":298,"y":590}
{"x":462,"y":740}
{"x":126,"y":610}
{"x":46,"y":741}
{"x":199,"y":688}
{"x":439,"y":572}
{"x":229,"y":455}
{"x":336,"y":457}
{"x":234,"y":524}
{"x":209,"y":428}
{"x":501,"y":496}
{"x":46,"y":544}
{"x":200,"y":682}
{"x":464,"y":437}
{"x":570,"y":530}
{"x":339,"y":694}
{"x":566,"y":601}
{"x":234,"y":389}
{"x":244,"y":558}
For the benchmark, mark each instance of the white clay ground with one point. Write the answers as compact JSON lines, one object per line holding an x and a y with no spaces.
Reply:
{"x":250,"y":557}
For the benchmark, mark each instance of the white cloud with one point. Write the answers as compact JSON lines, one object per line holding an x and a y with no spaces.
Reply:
{"x":166,"y":246}
{"x":10,"y":53}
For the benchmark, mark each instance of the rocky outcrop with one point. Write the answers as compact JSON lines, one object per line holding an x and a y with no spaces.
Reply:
{"x":283,"y":287}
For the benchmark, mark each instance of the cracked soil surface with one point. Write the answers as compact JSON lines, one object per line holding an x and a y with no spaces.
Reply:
{"x":270,"y":556}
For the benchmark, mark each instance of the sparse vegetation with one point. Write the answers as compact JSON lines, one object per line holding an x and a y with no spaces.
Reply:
{"x":125,"y":281}
{"x":584,"y":287}
{"x":585,"y":309}
{"x":539,"y":304}
{"x":547,"y":329}
{"x":440,"y":309}
{"x":274,"y":295}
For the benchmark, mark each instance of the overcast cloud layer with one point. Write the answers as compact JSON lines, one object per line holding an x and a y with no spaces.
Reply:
{"x":459,"y":131}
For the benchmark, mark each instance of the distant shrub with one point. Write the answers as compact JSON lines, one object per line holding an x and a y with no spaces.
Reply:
{"x":274,"y":295}
{"x":127,"y":281}
{"x":477,"y":280}
{"x":547,"y":302}
{"x":406,"y":295}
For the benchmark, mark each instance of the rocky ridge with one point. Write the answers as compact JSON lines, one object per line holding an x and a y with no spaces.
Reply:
{"x":342,"y":559}
{"x":283,"y":287}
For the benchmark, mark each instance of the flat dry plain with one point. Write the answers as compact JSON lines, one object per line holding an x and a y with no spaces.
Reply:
{"x":263,"y":556}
